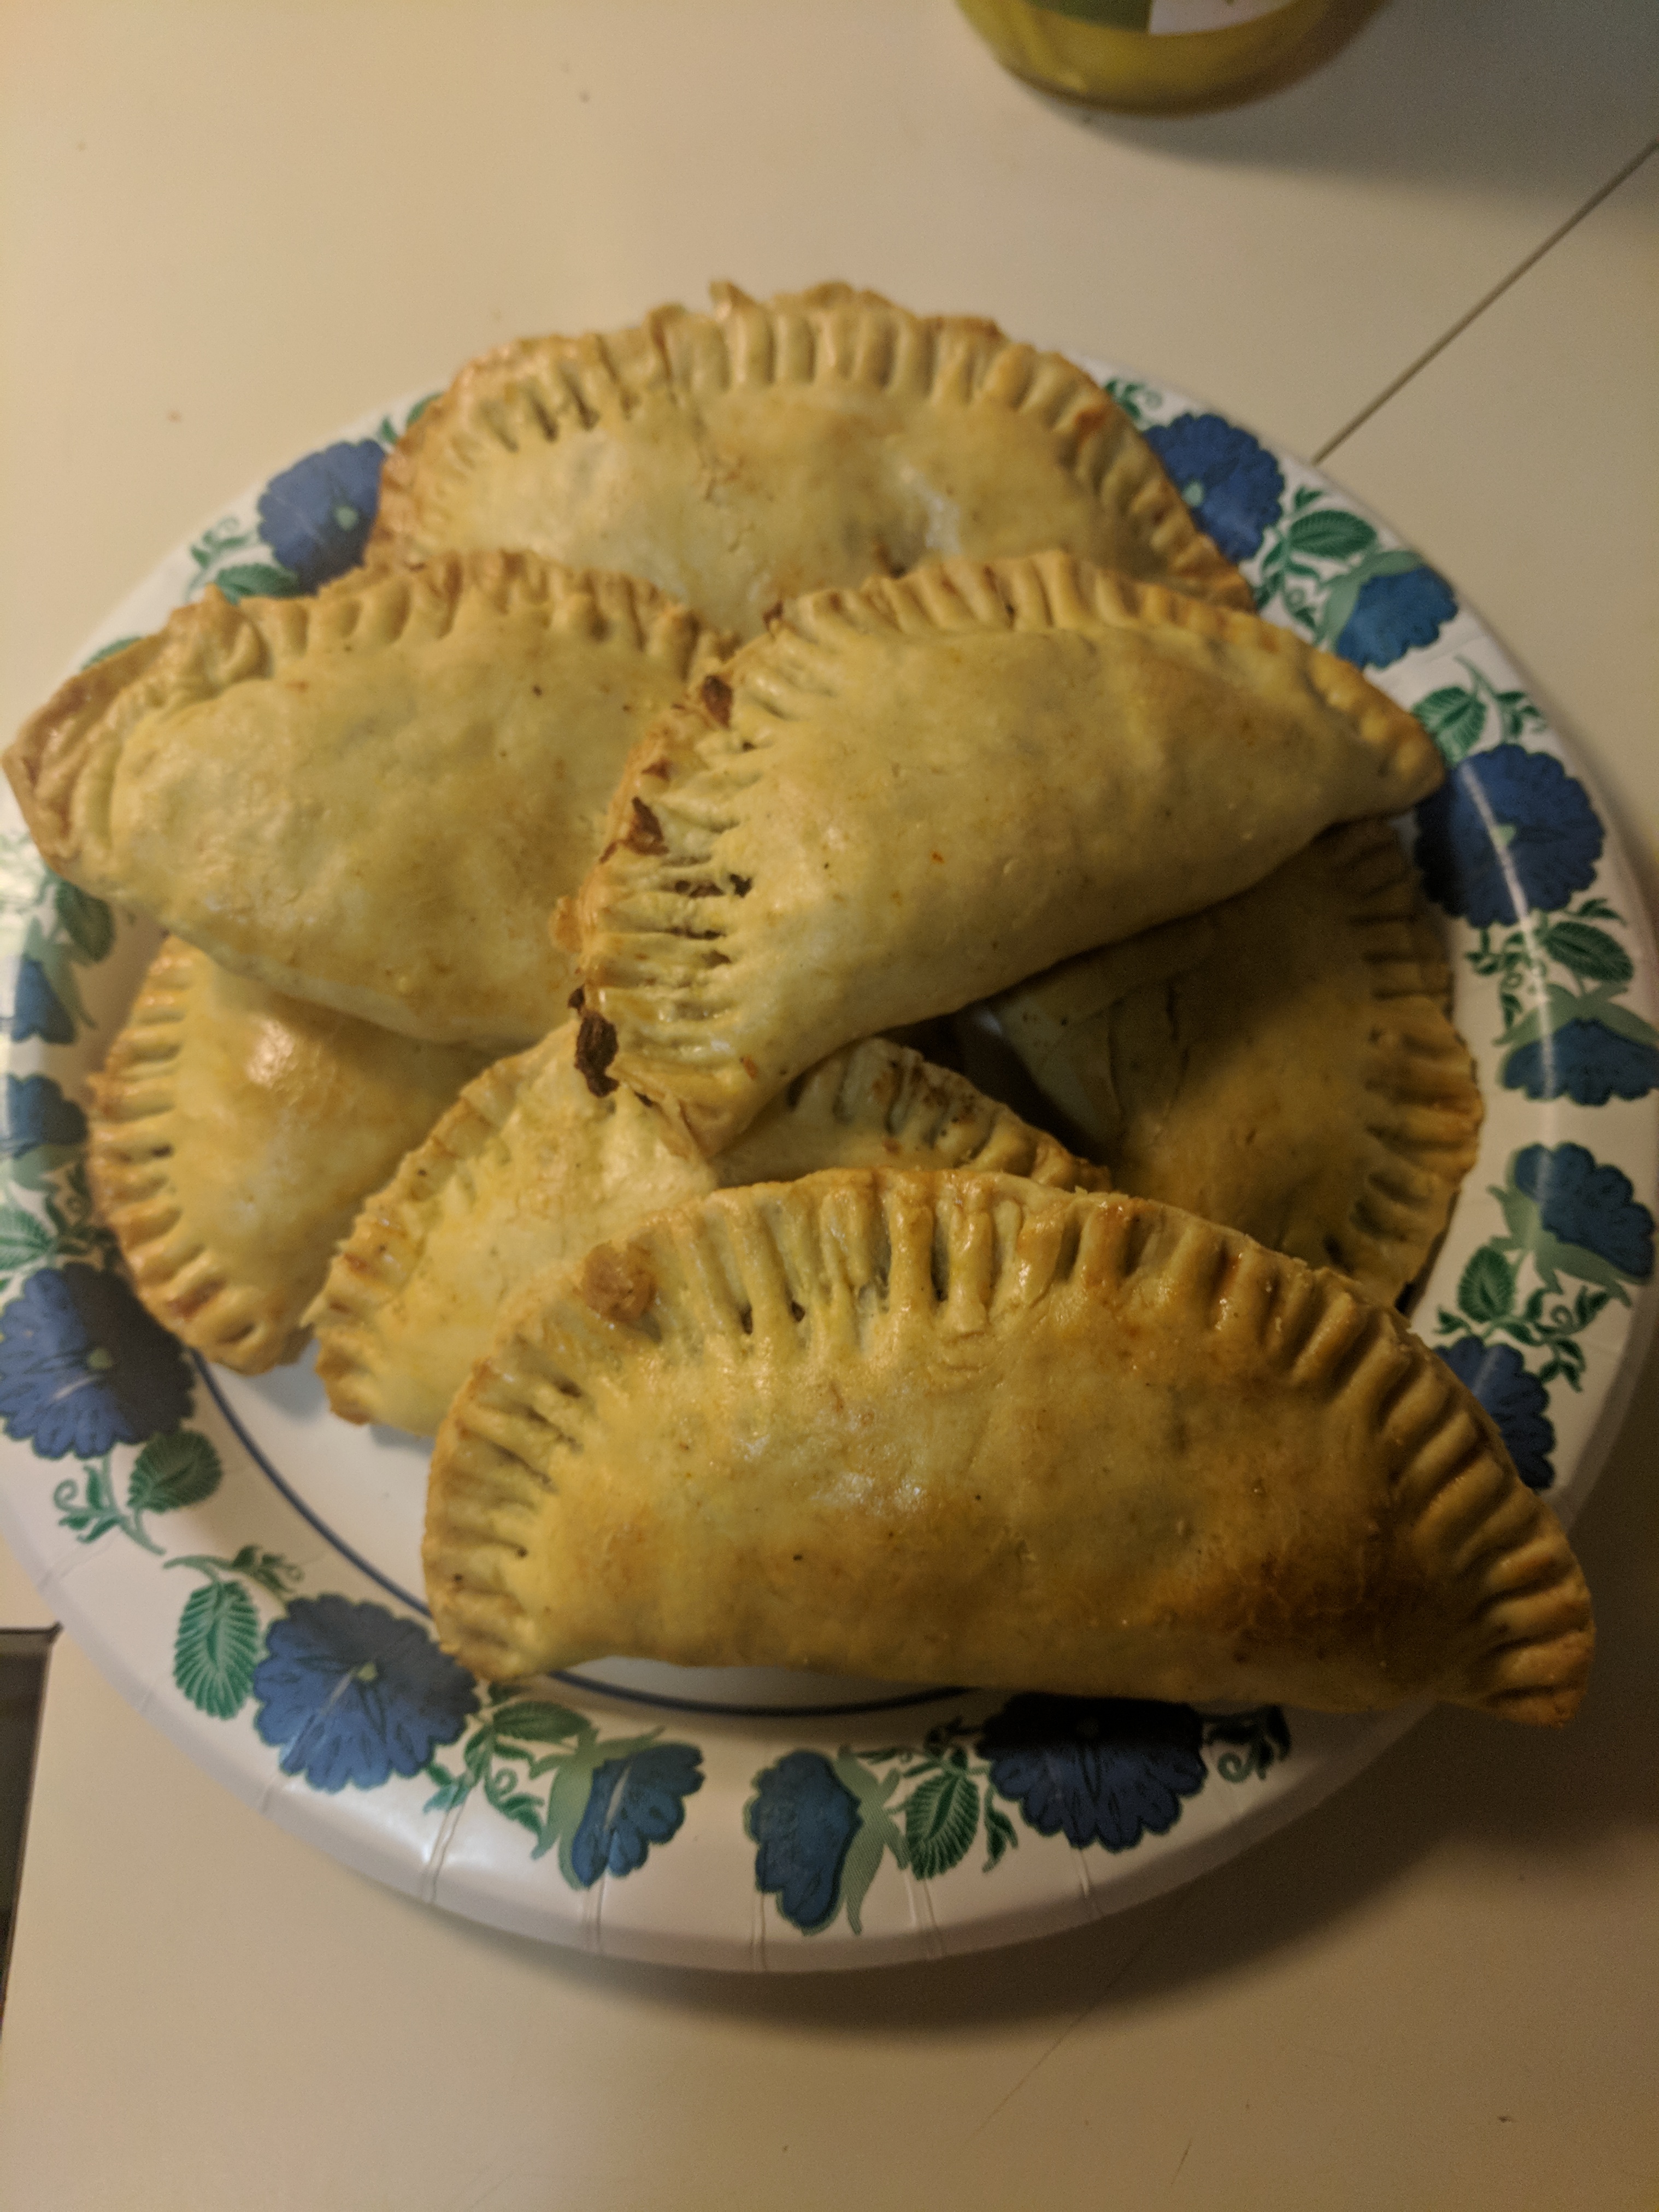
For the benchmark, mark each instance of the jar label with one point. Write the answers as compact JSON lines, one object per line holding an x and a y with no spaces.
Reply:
{"x":1164,"y":17}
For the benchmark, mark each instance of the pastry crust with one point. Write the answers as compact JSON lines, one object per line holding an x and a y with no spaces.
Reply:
{"x":529,"y":1170}
{"x":913,"y":795}
{"x":234,"y":1133}
{"x":960,"y":1429}
{"x":373,"y":798}
{"x":776,"y":446}
{"x":1282,"y":1063}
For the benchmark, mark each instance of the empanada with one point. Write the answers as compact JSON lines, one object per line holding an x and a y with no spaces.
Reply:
{"x":370,"y":799}
{"x":233,"y":1135}
{"x":1282,"y":1063}
{"x":529,"y":1170}
{"x":773,"y":447}
{"x":917,"y":794}
{"x":958,"y":1428}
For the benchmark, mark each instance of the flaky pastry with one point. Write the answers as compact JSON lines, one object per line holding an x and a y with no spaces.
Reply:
{"x":370,"y":799}
{"x":771,"y":447}
{"x":233,"y":1135}
{"x":917,"y":794}
{"x":1282,"y":1063}
{"x":959,"y":1428}
{"x":529,"y":1170}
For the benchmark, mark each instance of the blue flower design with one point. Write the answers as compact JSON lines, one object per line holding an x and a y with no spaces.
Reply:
{"x":1232,"y":481}
{"x":1585,"y":1061}
{"x":356,"y":1693}
{"x":83,"y":1367}
{"x":37,"y":1011}
{"x":1495,"y":1374}
{"x":1394,"y":613}
{"x":1509,"y":829}
{"x":803,"y":1817}
{"x":1595,"y":1207}
{"x":316,"y":516}
{"x":633,"y":1803}
{"x":37,"y":1113}
{"x":1106,"y":1770}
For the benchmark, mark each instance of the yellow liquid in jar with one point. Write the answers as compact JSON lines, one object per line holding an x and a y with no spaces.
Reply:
{"x":1110,"y":67}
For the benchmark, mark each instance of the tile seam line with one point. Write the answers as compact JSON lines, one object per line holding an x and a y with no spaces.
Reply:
{"x":1505,"y":283}
{"x":1177,"y":1905}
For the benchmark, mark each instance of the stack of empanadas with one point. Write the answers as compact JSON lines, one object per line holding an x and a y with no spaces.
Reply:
{"x":750,"y":1334}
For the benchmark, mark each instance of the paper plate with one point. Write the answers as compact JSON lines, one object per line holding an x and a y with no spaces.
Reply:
{"x":246,"y":1568}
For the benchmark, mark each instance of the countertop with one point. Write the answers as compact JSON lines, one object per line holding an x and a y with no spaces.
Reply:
{"x":1430,"y":265}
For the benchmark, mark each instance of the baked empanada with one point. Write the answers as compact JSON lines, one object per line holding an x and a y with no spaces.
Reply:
{"x":1282,"y":1063}
{"x":917,"y":794}
{"x":233,"y":1135}
{"x":772,"y":447}
{"x":371,"y":798}
{"x":958,"y":1428}
{"x":528,"y":1170}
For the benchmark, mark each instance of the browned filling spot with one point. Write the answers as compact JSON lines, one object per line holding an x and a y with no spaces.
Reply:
{"x":646,"y":835}
{"x":717,"y":700}
{"x":596,"y":1048}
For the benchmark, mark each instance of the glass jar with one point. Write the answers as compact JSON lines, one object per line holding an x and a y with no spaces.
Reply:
{"x":1144,"y":54}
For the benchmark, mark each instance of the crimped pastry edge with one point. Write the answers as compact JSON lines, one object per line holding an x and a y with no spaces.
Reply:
{"x":871,"y":1084}
{"x":1420,"y":1065}
{"x":62,"y":763}
{"x":526,"y":1404}
{"x":682,"y":790}
{"x":180,"y":1281}
{"x":828,"y":332}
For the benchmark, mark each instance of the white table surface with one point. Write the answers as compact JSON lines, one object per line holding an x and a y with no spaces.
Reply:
{"x":231,"y":228}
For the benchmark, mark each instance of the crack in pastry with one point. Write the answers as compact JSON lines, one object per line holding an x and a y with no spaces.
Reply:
{"x":934,"y":787}
{"x":957,"y":1427}
{"x":739,"y":458}
{"x":1282,"y":1064}
{"x":370,"y":799}
{"x":233,"y":1135}
{"x":529,"y":1169}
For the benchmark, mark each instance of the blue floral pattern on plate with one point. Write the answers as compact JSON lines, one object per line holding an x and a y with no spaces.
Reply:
{"x":1584,"y":1061}
{"x":1394,"y":613}
{"x":36,"y":1114}
{"x":36,"y":1009}
{"x":355,"y":1693}
{"x":83,"y":1367}
{"x":632,"y":1803}
{"x":1586,"y":1209}
{"x":802,"y":1817}
{"x":1516,"y":1399}
{"x":1107,"y":1771}
{"x":1509,"y":830}
{"x":1229,"y":479}
{"x":316,"y":516}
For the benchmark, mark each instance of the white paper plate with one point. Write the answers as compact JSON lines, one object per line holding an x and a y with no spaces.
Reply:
{"x":246,"y":1568}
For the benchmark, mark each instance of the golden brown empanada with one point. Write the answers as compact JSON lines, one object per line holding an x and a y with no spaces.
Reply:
{"x":370,"y":799}
{"x":958,"y":1428}
{"x":772,"y":447}
{"x":913,"y":795}
{"x":234,"y":1133}
{"x":529,"y":1170}
{"x":1281,"y":1063}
